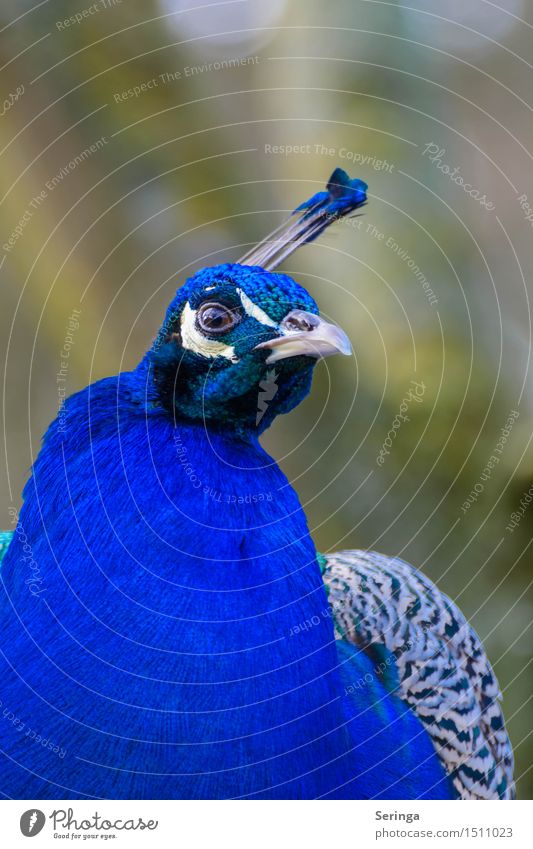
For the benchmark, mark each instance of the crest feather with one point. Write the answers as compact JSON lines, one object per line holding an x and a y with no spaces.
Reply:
{"x":342,"y":197}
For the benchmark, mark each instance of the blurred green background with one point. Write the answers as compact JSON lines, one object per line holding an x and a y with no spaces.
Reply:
{"x":143,"y":140}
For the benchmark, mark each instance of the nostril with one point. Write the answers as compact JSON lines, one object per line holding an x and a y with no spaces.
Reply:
{"x":298,"y":321}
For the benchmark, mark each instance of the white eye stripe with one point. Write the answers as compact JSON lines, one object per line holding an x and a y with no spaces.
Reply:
{"x":193,"y":340}
{"x":254,"y":311}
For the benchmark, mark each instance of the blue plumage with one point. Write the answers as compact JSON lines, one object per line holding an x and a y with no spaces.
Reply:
{"x":162,"y":653}
{"x":179,"y":642}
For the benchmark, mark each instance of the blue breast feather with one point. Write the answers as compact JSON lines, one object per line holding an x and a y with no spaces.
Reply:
{"x":167,"y":632}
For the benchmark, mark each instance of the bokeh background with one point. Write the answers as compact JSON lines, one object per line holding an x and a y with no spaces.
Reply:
{"x":143,"y":139}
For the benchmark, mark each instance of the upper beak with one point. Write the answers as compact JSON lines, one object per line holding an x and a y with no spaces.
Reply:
{"x":308,"y":334}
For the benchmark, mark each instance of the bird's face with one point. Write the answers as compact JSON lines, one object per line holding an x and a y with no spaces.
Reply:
{"x":238,"y":346}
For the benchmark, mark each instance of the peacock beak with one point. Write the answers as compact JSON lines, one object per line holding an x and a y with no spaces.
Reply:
{"x":304,"y":333}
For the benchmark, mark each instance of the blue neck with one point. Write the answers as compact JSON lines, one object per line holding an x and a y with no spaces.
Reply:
{"x":188,"y":564}
{"x":180,"y":643}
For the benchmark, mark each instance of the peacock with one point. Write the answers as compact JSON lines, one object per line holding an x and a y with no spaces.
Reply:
{"x":169,"y":629}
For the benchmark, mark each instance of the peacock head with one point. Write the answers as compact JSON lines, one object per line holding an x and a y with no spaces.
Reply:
{"x":239,"y":341}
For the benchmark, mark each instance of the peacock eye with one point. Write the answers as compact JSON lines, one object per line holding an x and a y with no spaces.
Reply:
{"x":216,"y":318}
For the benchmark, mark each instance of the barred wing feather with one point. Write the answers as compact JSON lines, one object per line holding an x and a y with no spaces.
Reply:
{"x":442,"y":670}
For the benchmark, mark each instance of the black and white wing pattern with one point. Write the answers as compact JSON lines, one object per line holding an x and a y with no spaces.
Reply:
{"x":442,"y":670}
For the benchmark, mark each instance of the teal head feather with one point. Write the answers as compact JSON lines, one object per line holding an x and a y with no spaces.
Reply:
{"x":237,"y":333}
